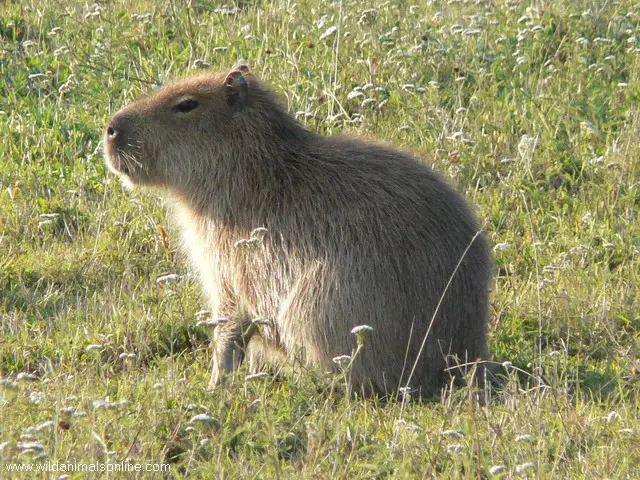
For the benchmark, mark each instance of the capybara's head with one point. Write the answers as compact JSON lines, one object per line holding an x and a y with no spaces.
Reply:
{"x":182,"y":131}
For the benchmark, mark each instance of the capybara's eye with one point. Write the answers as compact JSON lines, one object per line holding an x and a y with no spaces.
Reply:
{"x":186,"y":105}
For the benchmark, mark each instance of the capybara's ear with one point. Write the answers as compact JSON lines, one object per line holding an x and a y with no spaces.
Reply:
{"x":235,"y":87}
{"x":241,"y":67}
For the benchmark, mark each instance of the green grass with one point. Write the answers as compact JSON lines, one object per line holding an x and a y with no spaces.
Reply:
{"x":464,"y":85}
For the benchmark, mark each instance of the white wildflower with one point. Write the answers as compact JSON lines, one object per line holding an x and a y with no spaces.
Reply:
{"x":305,"y":115}
{"x":199,"y":63}
{"x":262,"y":321}
{"x":35,"y":76}
{"x":171,"y":277}
{"x":44,"y":425}
{"x":341,"y":360}
{"x":501,"y":247}
{"x":256,"y":376}
{"x":361,"y":329}
{"x":405,"y":391}
{"x":101,"y":404}
{"x":456,"y":448}
{"x":201,"y":417}
{"x":213,"y":322}
{"x":579,"y":250}
{"x":523,"y":467}
{"x":328,"y":32}
{"x":497,"y":470}
{"x":589,"y":127}
{"x":36,"y":397}
{"x":545,"y":282}
{"x":33,"y":447}
{"x":409,"y":426}
{"x":6,"y":383}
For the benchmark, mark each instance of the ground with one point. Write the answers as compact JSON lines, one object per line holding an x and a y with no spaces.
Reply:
{"x":530,"y":108}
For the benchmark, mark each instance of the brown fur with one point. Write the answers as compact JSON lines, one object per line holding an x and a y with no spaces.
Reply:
{"x":358,"y":233}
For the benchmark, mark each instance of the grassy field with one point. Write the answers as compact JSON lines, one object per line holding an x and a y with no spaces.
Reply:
{"x":531,"y":108}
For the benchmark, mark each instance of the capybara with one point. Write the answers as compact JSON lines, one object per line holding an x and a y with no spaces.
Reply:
{"x":349,"y":232}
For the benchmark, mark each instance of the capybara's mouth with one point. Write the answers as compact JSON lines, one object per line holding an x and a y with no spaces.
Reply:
{"x":125,"y":166}
{"x":117,"y":164}
{"x":120,"y":154}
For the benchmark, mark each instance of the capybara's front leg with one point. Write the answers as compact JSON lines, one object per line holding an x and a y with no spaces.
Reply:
{"x":230,"y":342}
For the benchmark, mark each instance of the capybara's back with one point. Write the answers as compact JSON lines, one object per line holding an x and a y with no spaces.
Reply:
{"x":356,"y":233}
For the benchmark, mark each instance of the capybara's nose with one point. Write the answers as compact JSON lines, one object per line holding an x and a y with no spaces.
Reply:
{"x":115,"y":134}
{"x":112,"y":133}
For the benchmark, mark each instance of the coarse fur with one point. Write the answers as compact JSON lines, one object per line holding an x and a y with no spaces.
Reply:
{"x":356,"y":233}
